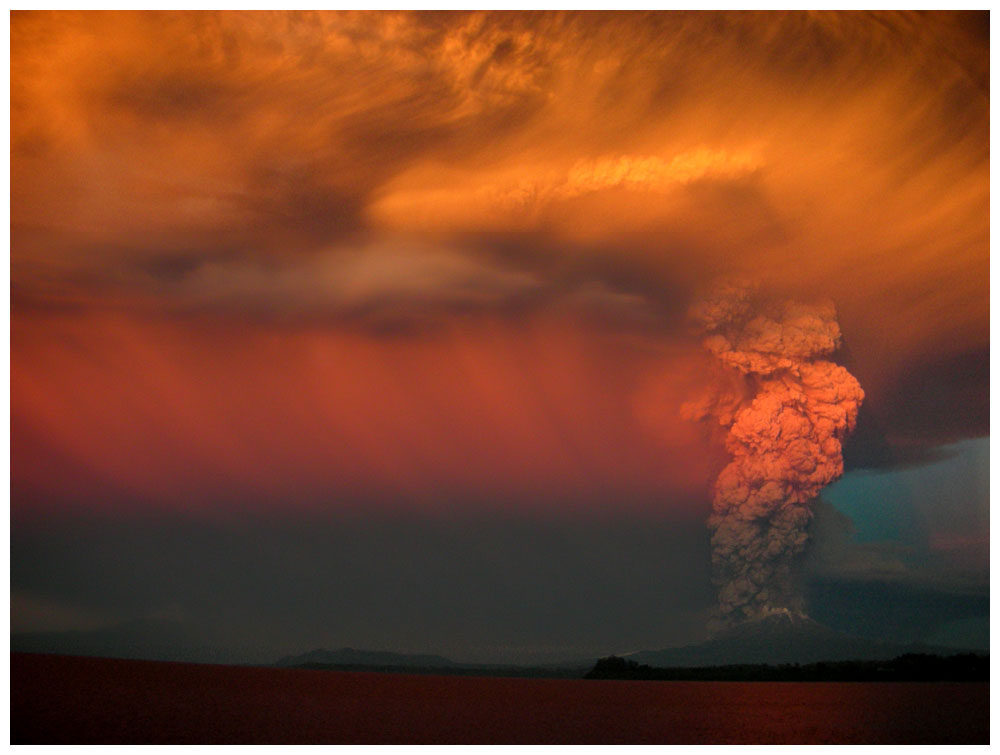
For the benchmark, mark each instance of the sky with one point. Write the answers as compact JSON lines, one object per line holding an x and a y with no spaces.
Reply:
{"x":373,"y":329}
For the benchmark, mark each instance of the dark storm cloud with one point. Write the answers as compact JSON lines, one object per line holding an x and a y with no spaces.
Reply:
{"x":478,"y":587}
{"x":369,"y":283}
{"x":929,"y":583}
{"x":960,"y":410}
{"x":912,"y":613}
{"x":391,"y":280}
{"x":928,"y":558}
{"x":175,"y":96}
{"x":481,"y":588}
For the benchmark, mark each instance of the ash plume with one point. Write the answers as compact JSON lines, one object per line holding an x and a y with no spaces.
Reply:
{"x":785,"y":410}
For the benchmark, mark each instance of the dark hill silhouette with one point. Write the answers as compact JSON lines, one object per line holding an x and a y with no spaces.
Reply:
{"x":350,"y":659}
{"x":913,"y":667}
{"x":373,"y":658}
{"x":778,"y":639}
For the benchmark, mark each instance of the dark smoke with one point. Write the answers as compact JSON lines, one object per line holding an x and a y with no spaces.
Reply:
{"x":785,"y":411}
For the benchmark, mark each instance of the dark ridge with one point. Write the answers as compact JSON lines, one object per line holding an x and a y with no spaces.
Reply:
{"x":514,"y":672}
{"x":779,"y":639}
{"x":350,"y":659}
{"x":913,"y":667}
{"x":373,"y":658}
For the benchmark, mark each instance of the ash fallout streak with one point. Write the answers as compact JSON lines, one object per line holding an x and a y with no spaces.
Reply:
{"x":785,"y":411}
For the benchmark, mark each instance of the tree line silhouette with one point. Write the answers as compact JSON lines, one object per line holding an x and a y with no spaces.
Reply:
{"x":912,"y":667}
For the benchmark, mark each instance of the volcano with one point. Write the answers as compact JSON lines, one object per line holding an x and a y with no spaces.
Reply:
{"x":778,"y":638}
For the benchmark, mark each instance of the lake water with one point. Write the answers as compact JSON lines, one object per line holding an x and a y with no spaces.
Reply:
{"x":59,"y":699}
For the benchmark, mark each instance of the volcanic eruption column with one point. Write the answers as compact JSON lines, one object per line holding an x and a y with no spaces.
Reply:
{"x":786,"y":411}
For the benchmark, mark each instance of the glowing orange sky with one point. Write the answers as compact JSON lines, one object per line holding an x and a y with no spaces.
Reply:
{"x":304,"y":256}
{"x":483,"y":410}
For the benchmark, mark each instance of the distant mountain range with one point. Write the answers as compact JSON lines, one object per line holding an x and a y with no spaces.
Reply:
{"x":776,"y":639}
{"x":352,"y":657}
{"x":349,"y":659}
{"x":780,"y":638}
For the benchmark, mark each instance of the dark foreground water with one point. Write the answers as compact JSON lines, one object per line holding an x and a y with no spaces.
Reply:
{"x":61,"y":699}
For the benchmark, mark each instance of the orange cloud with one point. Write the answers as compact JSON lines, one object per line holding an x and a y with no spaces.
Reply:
{"x":195,"y":192}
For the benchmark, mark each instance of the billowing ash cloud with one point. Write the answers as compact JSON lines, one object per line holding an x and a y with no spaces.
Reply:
{"x":785,"y":410}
